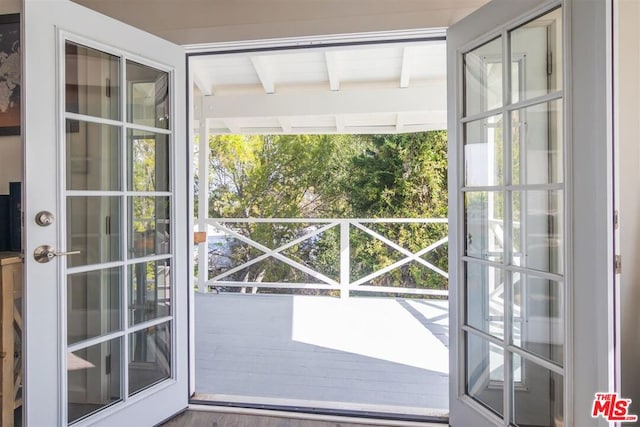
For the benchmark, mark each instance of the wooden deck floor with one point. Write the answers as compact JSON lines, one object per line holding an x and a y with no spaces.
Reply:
{"x":365,"y":354}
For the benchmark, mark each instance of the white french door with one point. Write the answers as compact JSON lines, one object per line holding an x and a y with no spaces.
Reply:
{"x":105,"y":220}
{"x":530,"y":213}
{"x":508,"y":143}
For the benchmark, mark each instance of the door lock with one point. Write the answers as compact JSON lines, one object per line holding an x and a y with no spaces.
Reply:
{"x":44,"y":218}
{"x":46,"y":253}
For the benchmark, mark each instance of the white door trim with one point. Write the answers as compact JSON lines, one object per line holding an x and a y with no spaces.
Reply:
{"x":317,"y":41}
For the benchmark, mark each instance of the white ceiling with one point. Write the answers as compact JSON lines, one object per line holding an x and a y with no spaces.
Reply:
{"x":384,"y":88}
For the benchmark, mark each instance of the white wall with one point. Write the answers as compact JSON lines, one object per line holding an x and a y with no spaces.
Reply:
{"x":628,"y":136}
{"x":10,"y":146}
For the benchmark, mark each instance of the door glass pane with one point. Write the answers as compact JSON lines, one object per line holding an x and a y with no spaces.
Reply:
{"x":93,"y":228}
{"x":93,"y":378}
{"x":524,"y":223}
{"x":93,"y":304}
{"x":118,"y":208}
{"x":149,"y":291}
{"x":148,"y":161}
{"x":92,"y":81}
{"x":537,"y":230}
{"x":484,"y":224}
{"x":483,"y":78}
{"x":536,"y":56}
{"x":538,"y":144}
{"x":538,"y":316}
{"x":483,"y":358}
{"x":148,"y":96}
{"x":149,"y":219}
{"x":485,"y":298}
{"x":540,"y":402}
{"x":93,"y":156}
{"x":149,"y":356}
{"x":483,"y":152}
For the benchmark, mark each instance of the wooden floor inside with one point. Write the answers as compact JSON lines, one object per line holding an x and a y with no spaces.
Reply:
{"x":192,"y":418}
{"x":384,"y":355}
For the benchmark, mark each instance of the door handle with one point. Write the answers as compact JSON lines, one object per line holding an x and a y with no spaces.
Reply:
{"x":46,"y":253}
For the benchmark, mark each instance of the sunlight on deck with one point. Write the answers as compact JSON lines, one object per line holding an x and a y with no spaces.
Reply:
{"x":409,"y":332}
{"x":361,"y":353}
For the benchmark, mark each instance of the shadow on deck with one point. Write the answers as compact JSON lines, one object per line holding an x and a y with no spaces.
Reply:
{"x":356,"y":354}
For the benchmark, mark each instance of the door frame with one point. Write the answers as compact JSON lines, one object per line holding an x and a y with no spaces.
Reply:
{"x":590,"y":241}
{"x":305,"y":43}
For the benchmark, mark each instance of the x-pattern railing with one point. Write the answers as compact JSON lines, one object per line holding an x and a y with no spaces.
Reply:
{"x":345,"y":284}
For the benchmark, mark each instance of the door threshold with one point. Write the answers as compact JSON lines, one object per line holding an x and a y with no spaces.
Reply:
{"x":321,"y":411}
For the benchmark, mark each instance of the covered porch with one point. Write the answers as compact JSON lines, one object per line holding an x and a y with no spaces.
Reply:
{"x":344,"y":340}
{"x":352,"y":354}
{"x":329,"y":337}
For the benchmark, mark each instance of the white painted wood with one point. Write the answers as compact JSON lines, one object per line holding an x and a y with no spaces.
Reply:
{"x":590,"y":269}
{"x":276,"y":254}
{"x":262,"y":68}
{"x":345,"y":227}
{"x":285,"y":124}
{"x":410,"y":256}
{"x":400,"y":119}
{"x":202,"y":83}
{"x":330,"y":70}
{"x":323,"y":352}
{"x":490,"y":21}
{"x":194,"y":109}
{"x":345,"y":257}
{"x":419,"y":33}
{"x":627,"y":133}
{"x":333,"y":70}
{"x":428,"y":97}
{"x":588,"y":265}
{"x":407,"y":62}
{"x":329,"y":220}
{"x":232,"y":126}
{"x":340,"y":124}
{"x":203,"y":203}
{"x":46,"y":22}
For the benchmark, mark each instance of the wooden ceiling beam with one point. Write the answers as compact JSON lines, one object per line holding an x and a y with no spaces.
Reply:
{"x":331,"y":58}
{"x":427,"y":97}
{"x":262,"y":68}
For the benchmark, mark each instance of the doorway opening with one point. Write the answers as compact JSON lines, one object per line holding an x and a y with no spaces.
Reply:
{"x":321,"y":279}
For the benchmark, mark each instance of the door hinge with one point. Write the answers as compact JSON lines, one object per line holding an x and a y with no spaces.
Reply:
{"x":549,"y":64}
{"x":618,"y":264}
{"x":615,"y":220}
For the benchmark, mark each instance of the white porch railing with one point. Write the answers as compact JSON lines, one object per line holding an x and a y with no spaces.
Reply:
{"x":316,"y":227}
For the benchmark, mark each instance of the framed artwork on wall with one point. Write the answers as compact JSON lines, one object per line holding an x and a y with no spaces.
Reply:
{"x":10,"y":74}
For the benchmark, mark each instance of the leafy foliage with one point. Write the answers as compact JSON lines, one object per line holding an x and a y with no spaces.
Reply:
{"x":400,"y":176}
{"x":332,"y":176}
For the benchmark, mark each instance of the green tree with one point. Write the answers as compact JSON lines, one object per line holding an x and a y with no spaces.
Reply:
{"x":400,"y":176}
{"x":298,"y":176}
{"x":287,"y":176}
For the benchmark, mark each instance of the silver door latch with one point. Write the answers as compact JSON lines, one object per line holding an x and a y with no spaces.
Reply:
{"x":46,"y":253}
